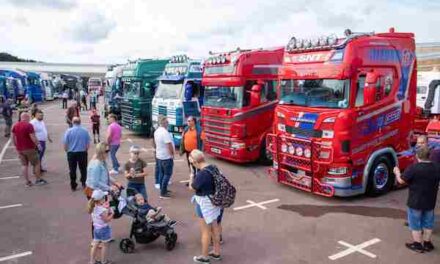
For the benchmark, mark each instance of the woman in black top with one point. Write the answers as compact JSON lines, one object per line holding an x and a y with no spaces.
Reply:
{"x":203,"y":185}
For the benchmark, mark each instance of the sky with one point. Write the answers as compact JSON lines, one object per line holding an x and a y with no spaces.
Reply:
{"x":113,"y":31}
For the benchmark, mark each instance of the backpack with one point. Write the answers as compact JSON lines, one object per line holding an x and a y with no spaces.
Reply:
{"x":224,"y":195}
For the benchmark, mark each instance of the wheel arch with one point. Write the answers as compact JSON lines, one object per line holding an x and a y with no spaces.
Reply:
{"x":388,"y":152}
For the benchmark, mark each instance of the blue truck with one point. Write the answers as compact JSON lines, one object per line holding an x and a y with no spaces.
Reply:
{"x":34,"y":90}
{"x":179,"y":95}
{"x":16,"y":83}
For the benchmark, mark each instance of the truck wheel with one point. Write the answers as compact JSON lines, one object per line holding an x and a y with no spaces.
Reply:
{"x":380,"y":177}
{"x":266,"y":157}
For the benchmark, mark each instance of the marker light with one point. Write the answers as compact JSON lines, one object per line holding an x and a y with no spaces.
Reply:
{"x":307,"y":153}
{"x":291,"y":149}
{"x":299,"y":151}
{"x":284,"y":148}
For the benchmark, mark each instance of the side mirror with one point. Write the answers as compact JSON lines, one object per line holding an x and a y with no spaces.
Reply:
{"x":255,"y":95}
{"x":370,"y":88}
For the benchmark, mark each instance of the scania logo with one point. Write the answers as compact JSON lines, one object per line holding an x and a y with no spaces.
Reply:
{"x":304,"y":120}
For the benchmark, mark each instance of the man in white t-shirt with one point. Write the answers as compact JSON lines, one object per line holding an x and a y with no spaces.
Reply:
{"x":41,"y":134}
{"x":163,"y":140}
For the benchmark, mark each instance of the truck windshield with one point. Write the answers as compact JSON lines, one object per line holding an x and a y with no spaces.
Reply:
{"x":94,"y":83}
{"x":223,"y":96}
{"x":133,"y":88}
{"x":327,"y":93}
{"x":33,"y":81}
{"x":169,"y":90}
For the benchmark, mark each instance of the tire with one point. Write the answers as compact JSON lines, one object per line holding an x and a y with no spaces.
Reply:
{"x":170,"y":241}
{"x":380,"y":177}
{"x":126,"y":245}
{"x":266,"y":157}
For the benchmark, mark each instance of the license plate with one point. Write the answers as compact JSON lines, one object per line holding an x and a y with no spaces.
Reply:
{"x":216,"y":150}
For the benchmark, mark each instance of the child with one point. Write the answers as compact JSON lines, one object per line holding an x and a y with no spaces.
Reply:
{"x":150,"y":213}
{"x":94,"y":117}
{"x":102,"y":233}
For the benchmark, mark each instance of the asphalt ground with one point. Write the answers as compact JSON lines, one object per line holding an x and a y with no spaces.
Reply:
{"x":49,"y":224}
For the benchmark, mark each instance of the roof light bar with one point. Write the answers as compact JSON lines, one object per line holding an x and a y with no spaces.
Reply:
{"x":179,"y":59}
{"x":218,"y":59}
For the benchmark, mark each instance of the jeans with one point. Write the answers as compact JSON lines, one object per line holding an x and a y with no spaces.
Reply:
{"x":77,"y":159}
{"x":139,"y":187}
{"x":165,"y":172}
{"x":41,"y":152}
{"x":156,"y":172}
{"x":64,"y":103}
{"x":419,"y":219}
{"x":113,"y":150}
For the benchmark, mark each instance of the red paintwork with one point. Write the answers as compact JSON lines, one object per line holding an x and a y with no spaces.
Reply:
{"x":350,"y":122}
{"x":220,"y":128}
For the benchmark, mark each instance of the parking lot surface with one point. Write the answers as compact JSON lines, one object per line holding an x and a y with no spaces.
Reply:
{"x":269,"y":223}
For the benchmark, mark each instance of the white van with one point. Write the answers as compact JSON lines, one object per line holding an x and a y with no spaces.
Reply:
{"x":424,"y":79}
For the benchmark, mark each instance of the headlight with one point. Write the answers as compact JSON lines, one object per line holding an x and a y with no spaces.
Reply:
{"x":291,"y":149}
{"x":284,"y":148}
{"x":281,"y":115}
{"x":282,"y":127}
{"x":237,"y":145}
{"x":324,"y":154}
{"x":338,"y":171}
{"x":307,"y":153}
{"x":328,"y":133}
{"x":299,"y":151}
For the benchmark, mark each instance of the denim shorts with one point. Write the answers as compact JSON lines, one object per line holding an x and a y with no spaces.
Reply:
{"x":419,"y":219}
{"x":200,"y":215}
{"x":103,"y":234}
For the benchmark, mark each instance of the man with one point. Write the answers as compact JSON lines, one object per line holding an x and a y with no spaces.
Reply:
{"x":65,"y":97}
{"x":423,"y":180}
{"x":83,"y":99}
{"x":72,"y":112}
{"x":163,"y":141}
{"x":114,"y":134}
{"x":26,"y":144}
{"x":192,"y":137}
{"x":41,"y":134}
{"x":434,"y":152}
{"x":93,"y":99}
{"x":76,"y":143}
{"x":7,"y":115}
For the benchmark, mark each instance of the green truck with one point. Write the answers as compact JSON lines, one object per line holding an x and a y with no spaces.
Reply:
{"x":139,"y":79}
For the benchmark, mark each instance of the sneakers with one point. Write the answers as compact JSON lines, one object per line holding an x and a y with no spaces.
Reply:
{"x":28,"y":184}
{"x":201,"y":259}
{"x":157,"y":186}
{"x":415,"y":246}
{"x":113,"y":172}
{"x":214,"y":256}
{"x":40,"y":182}
{"x":428,"y":246}
{"x":165,"y":196}
{"x":170,"y":182}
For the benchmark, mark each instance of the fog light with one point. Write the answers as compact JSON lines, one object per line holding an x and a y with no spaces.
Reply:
{"x":324,"y":154}
{"x":284,"y":148}
{"x":299,"y":151}
{"x":307,"y":153}
{"x":237,"y":145}
{"x":338,"y":171}
{"x":291,"y":149}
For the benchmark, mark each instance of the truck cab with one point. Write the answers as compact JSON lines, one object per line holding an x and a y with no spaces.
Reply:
{"x":16,"y":82}
{"x":239,"y":102}
{"x":113,"y":91}
{"x":428,"y":94}
{"x":139,"y":80}
{"x":47,"y":87}
{"x":95,"y":84}
{"x":179,"y":94}
{"x":34,"y":90}
{"x":346,"y":113}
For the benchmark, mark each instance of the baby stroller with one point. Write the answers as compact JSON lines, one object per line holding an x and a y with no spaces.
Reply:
{"x":141,"y":230}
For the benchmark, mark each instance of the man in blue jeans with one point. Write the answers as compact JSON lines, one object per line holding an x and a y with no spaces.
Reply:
{"x":423,"y":180}
{"x":163,"y":141}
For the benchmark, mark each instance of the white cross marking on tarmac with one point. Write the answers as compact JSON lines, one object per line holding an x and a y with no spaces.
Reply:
{"x":10,"y":160}
{"x":27,"y":253}
{"x":8,"y":178}
{"x":10,"y":206}
{"x":254,"y":204}
{"x":358,"y":248}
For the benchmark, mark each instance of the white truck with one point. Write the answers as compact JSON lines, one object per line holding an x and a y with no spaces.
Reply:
{"x":428,"y":96}
{"x":47,"y":86}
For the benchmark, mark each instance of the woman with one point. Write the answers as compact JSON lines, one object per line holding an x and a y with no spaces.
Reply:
{"x":192,"y":137}
{"x":203,"y":185}
{"x":97,"y":173}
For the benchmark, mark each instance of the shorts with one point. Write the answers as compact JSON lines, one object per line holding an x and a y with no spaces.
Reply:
{"x":103,"y":234}
{"x":200,"y":215}
{"x":419,"y":219}
{"x":29,"y":156}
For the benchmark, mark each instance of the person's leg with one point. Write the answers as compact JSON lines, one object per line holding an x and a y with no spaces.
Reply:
{"x":103,"y":252}
{"x":113,"y":150}
{"x":216,"y":237}
{"x":24,"y":166}
{"x":156,"y":173}
{"x":93,"y":250}
{"x":41,"y":152}
{"x":82,"y":162}
{"x":205,"y":231}
{"x":428,"y":219}
{"x":71,"y":159}
{"x":167,"y":172}
{"x":415,"y":225}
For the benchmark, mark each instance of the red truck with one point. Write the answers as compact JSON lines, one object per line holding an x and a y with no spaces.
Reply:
{"x":239,"y":102}
{"x":346,"y":114}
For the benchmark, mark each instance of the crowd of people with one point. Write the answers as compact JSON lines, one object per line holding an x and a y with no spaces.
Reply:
{"x":99,"y":178}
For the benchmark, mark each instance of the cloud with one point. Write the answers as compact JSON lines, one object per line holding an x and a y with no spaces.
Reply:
{"x":52,"y":4}
{"x":93,"y":27}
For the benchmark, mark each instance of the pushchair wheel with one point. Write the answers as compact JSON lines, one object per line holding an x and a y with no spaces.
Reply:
{"x":170,"y":241}
{"x":126,"y":245}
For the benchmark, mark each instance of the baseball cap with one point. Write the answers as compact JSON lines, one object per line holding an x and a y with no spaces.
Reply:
{"x":98,"y":195}
{"x":135,"y":148}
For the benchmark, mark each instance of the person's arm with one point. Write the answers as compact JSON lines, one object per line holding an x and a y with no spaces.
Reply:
{"x":109,"y":135}
{"x":144,"y":172}
{"x":127,"y":173}
{"x":65,"y":143}
{"x":398,"y":174}
{"x":171,"y":148}
{"x":107,"y":216}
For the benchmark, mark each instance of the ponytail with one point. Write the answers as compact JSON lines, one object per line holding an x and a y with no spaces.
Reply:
{"x":90,"y":206}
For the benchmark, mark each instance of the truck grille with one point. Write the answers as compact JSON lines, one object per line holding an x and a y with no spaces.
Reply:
{"x":216,"y":127}
{"x":162,"y":110}
{"x":301,"y":132}
{"x":127,"y":113}
{"x":223,"y":142}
